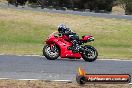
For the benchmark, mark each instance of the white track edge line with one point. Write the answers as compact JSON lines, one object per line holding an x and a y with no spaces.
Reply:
{"x":36,"y":79}
{"x":26,"y":79}
{"x":44,"y":80}
{"x":81,"y":58}
{"x":4,"y":78}
{"x":115,"y":59}
{"x":130,"y":83}
{"x":62,"y":80}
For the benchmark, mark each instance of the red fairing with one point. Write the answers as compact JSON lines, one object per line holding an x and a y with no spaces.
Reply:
{"x":63,"y":45}
{"x":85,"y":38}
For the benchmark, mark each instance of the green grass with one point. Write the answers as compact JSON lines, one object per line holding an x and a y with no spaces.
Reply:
{"x":23,"y":32}
{"x":22,"y":37}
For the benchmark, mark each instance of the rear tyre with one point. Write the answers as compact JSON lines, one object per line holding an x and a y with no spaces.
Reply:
{"x":49,"y":54}
{"x":90,"y":54}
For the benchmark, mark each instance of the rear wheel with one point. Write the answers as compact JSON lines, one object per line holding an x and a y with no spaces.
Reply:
{"x":51,"y":54}
{"x":90,"y":54}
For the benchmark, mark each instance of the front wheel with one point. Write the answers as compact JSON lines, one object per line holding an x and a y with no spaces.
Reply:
{"x":51,"y":54}
{"x":90,"y":54}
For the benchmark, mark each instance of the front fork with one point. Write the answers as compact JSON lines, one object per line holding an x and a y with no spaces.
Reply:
{"x":52,"y":47}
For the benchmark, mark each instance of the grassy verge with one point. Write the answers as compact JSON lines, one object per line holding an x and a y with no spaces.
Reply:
{"x":44,"y":84}
{"x":23,"y":32}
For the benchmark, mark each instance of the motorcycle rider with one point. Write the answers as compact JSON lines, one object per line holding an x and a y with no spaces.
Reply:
{"x":63,"y":30}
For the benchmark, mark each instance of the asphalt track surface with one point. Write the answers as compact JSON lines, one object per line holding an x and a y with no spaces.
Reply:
{"x":103,"y":15}
{"x":38,"y":67}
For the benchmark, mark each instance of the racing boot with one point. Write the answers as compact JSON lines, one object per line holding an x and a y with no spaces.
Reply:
{"x":76,"y":48}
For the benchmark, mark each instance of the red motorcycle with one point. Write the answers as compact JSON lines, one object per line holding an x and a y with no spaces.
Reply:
{"x":57,"y":45}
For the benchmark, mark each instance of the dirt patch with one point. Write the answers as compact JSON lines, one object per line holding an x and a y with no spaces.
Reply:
{"x":3,"y":1}
{"x":45,"y":84}
{"x":118,"y":10}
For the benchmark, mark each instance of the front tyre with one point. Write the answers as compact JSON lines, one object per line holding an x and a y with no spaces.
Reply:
{"x":90,"y":54}
{"x":51,"y":54}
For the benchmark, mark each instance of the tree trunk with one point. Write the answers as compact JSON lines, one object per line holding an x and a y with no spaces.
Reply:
{"x":128,"y":10}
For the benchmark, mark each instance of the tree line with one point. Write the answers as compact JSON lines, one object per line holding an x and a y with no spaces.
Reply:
{"x":91,"y":5}
{"x":126,"y":5}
